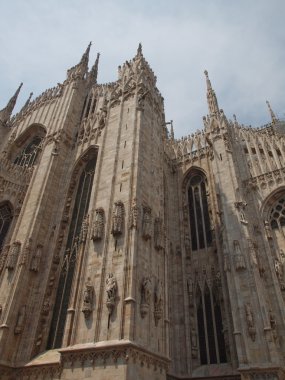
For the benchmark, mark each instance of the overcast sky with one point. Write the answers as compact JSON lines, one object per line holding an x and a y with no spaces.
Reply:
{"x":240,"y":42}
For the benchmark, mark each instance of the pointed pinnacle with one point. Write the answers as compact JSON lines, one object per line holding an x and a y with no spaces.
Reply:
{"x":85,"y":56}
{"x":139,"y":50}
{"x":94,"y":70}
{"x":272,"y":114}
{"x":28,"y":100}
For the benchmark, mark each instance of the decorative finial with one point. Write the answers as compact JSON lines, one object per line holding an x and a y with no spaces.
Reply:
{"x":6,"y":112}
{"x":94,"y":70}
{"x":272,"y":114}
{"x":211,"y":97}
{"x":28,"y":101}
{"x":235,"y":118}
{"x":85,"y":56}
{"x":139,"y":51}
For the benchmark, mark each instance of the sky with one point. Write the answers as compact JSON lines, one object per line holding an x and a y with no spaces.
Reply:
{"x":240,"y":42}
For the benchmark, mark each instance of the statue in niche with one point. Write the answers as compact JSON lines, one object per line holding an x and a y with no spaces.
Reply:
{"x":35,"y":262}
{"x":147,"y":222}
{"x":279,"y":273}
{"x":268,"y":232}
{"x":26,"y":251}
{"x":3,"y":256}
{"x":252,"y":251}
{"x":84,"y":229}
{"x":250,"y":322}
{"x":20,"y":320}
{"x":98,"y":226}
{"x":145,"y":296}
{"x":238,"y":257}
{"x":88,"y":296}
{"x":111,"y":290}
{"x":158,"y":302}
{"x":240,"y":206}
{"x":158,"y":234}
{"x":118,"y":219}
{"x":134,"y":215}
{"x":13,"y":255}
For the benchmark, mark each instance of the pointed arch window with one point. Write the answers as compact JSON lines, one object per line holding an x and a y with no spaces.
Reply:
{"x":212,"y":347}
{"x":74,"y":242}
{"x":277,"y":214}
{"x":29,"y":154}
{"x":6,"y":217}
{"x":201,"y":234}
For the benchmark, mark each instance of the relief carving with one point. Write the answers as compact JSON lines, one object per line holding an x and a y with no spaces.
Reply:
{"x":238,"y":257}
{"x":13,"y":255}
{"x":250,"y":321}
{"x":134,"y":215}
{"x":145,"y":296}
{"x":98,"y":226}
{"x":147,"y":223}
{"x":36,"y":258}
{"x":111,"y":290}
{"x":88,"y":297}
{"x":158,"y":302}
{"x":20,"y":320}
{"x":158,"y":234}
{"x":118,"y":219}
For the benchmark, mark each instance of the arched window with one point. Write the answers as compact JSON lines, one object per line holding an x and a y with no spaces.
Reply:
{"x":5,"y":221}
{"x":212,"y":347}
{"x":200,"y":227}
{"x":28,"y":155}
{"x":70,"y":257}
{"x":277,"y":214}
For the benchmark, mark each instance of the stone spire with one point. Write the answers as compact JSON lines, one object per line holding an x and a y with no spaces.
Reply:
{"x":94,"y":71}
{"x":139,"y":50}
{"x":28,"y":101}
{"x":272,"y":114}
{"x":6,"y":112}
{"x":85,"y":57}
{"x":211,"y":97}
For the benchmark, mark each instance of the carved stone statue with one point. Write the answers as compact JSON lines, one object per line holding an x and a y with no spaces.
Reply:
{"x":88,"y":296}
{"x":84,"y":229}
{"x":250,"y":321}
{"x":26,"y":251}
{"x":98,"y":226}
{"x":134,"y":215}
{"x":20,"y":320}
{"x":111,"y":290}
{"x":238,"y":257}
{"x":13,"y":255}
{"x":147,"y":223}
{"x":158,"y":302}
{"x":118,"y":219}
{"x":35,"y":262}
{"x":145,"y":296}
{"x":279,"y":273}
{"x":267,"y":228}
{"x":158,"y":234}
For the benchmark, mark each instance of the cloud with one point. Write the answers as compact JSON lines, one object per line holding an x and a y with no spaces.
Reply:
{"x":241,"y":44}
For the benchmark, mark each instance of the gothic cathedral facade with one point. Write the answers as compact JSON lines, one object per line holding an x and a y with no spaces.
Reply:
{"x":129,"y":254}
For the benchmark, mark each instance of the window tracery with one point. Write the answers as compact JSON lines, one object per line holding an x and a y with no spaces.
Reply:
{"x":5,"y":221}
{"x":200,"y":224}
{"x":29,"y":154}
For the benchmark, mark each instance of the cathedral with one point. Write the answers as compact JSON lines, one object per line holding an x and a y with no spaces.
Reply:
{"x":128,"y":254}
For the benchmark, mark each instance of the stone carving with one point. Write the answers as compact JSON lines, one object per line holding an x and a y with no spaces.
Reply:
{"x":98,"y":226}
{"x":268,"y":231}
{"x":35,"y":261}
{"x":147,"y":222}
{"x":145,"y":296}
{"x":111,"y":290}
{"x":158,"y":302}
{"x":20,"y":320}
{"x":84,"y":229}
{"x":158,"y":234}
{"x":240,"y":206}
{"x":250,"y":321}
{"x":88,"y":297}
{"x":279,"y":273}
{"x":134,"y":215}
{"x":3,"y":256}
{"x":252,"y":252}
{"x":13,"y":255}
{"x":238,"y":257}
{"x":46,"y":307}
{"x":118,"y":218}
{"x":26,"y":251}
